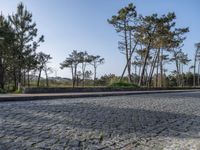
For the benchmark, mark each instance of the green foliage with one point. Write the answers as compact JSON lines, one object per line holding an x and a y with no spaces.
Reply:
{"x":113,"y":79}
{"x":2,"y":91}
{"x":43,"y":59}
{"x":105,"y":80}
{"x":79,"y":59}
{"x":123,"y":85}
{"x":155,"y":39}
{"x":18,"y":91}
{"x":18,"y":44}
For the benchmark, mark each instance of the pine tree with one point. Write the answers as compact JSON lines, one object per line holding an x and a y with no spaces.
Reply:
{"x":25,"y":34}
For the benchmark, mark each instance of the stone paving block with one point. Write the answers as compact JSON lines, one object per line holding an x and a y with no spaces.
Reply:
{"x":158,"y":121}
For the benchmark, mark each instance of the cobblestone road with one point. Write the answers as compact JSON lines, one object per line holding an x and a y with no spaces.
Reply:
{"x":154,"y":121}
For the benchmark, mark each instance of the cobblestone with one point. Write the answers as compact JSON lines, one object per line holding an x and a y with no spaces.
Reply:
{"x":151,"y":121}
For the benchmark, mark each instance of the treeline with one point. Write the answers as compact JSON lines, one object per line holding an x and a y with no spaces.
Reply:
{"x":149,"y":44}
{"x":169,"y":80}
{"x":19,"y":41}
{"x":78,"y":62}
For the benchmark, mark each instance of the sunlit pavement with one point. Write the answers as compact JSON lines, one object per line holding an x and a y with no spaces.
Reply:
{"x":147,"y":121}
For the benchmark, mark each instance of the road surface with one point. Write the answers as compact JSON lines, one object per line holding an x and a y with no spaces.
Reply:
{"x":146,"y":121}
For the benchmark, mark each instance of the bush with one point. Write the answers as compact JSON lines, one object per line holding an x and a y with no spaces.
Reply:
{"x":123,"y":84}
{"x":113,"y":80}
{"x":18,"y":91}
{"x":2,"y":91}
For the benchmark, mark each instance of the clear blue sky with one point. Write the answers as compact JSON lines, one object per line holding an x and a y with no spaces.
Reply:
{"x":82,"y":25}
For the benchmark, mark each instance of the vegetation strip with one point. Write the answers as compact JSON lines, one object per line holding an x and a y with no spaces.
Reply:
{"x":30,"y":97}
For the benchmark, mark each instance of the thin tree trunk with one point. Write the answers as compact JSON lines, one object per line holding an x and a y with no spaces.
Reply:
{"x":146,"y":57}
{"x":72,"y":71}
{"x":127,"y":51}
{"x":194,"y":76}
{"x":182,"y":80}
{"x":135,"y":73}
{"x":129,"y":56}
{"x":140,"y":68}
{"x":20,"y":66}
{"x":1,"y":74}
{"x":15,"y":79}
{"x":28,"y":78}
{"x":14,"y":69}
{"x":47,"y":80}
{"x":157,"y":70}
{"x":161,"y":68}
{"x":39,"y":76}
{"x":177,"y":72}
{"x":157,"y":75}
{"x":77,"y":81}
{"x":2,"y":78}
{"x":73,"y":82}
{"x":153,"y":67}
{"x":128,"y":61}
{"x":75,"y":75}
{"x":198,"y":73}
{"x":83,"y":72}
{"x":144,"y":65}
{"x":95,"y":75}
{"x":146,"y":76}
{"x":24,"y":78}
{"x":19,"y":78}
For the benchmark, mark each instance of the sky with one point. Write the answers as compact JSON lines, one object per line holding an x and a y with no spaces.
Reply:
{"x":82,"y":25}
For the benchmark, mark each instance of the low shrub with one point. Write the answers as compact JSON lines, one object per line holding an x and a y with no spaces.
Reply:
{"x":123,"y":84}
{"x":2,"y":91}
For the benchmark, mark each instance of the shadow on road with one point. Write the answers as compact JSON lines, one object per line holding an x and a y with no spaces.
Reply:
{"x":113,"y":121}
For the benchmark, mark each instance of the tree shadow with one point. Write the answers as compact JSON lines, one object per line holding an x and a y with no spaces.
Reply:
{"x":109,"y":120}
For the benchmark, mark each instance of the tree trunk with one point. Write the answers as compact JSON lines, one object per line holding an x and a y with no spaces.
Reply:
{"x":177,"y":72}
{"x":161,"y":68}
{"x":75,"y":75}
{"x":144,"y":65}
{"x":194,"y":76}
{"x":19,"y":77}
{"x":14,"y":69}
{"x":129,"y":57}
{"x":28,"y":79}
{"x":20,"y":66}
{"x":1,"y":74}
{"x":128,"y":61}
{"x":146,"y":76}
{"x":47,"y":79}
{"x":198,"y":73}
{"x":140,"y":68}
{"x":15,"y":79}
{"x":135,"y":73}
{"x":153,"y":67}
{"x":77,"y":81}
{"x":127,"y":52}
{"x":24,"y":78}
{"x":72,"y":71}
{"x":95,"y":75}
{"x":146,"y":57}
{"x":1,"y":78}
{"x":39,"y":76}
{"x":83,"y":73}
{"x":157,"y":69}
{"x":182,"y":76}
{"x":73,"y":81}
